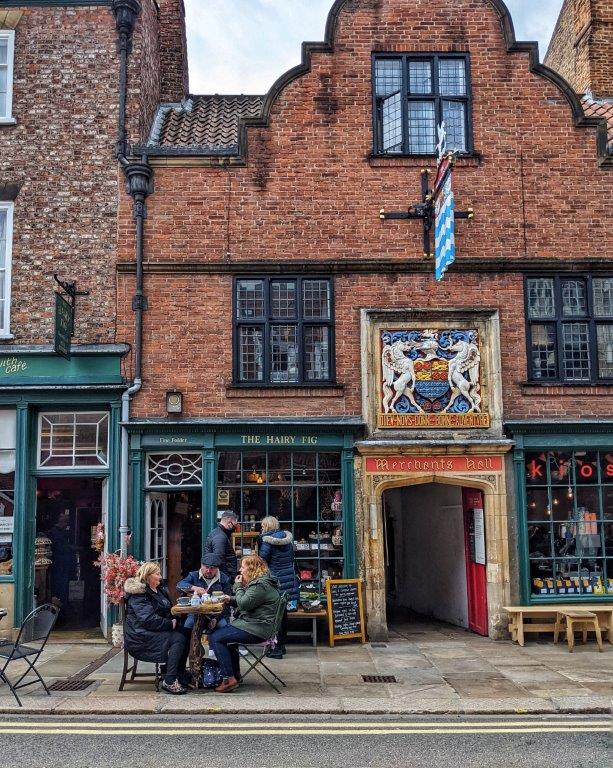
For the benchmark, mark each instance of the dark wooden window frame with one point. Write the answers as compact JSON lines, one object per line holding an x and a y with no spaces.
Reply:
{"x":268,"y":320}
{"x":406,"y":97}
{"x":559,"y":320}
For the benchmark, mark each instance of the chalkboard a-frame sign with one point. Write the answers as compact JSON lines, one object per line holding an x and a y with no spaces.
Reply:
{"x":345,"y":610}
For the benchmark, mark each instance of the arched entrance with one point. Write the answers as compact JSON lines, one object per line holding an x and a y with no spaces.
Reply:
{"x":434,"y":555}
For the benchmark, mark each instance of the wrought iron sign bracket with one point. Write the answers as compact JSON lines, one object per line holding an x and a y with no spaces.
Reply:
{"x":70,"y":290}
{"x":425,"y":212}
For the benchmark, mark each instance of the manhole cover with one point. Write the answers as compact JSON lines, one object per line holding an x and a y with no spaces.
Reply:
{"x":70,"y":685}
{"x":379,"y":679}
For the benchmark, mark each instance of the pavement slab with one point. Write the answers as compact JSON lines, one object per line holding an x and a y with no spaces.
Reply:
{"x":437,"y":672}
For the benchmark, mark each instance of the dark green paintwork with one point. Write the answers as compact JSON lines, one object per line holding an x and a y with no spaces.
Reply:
{"x":530,"y":437}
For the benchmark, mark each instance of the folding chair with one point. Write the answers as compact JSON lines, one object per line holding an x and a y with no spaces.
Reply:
{"x":34,"y":631}
{"x":256,"y":653}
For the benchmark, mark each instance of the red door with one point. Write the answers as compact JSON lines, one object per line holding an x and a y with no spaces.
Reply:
{"x":474,"y":543}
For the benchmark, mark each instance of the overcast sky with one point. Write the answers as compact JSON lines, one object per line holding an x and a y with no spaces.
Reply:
{"x":242,"y":46}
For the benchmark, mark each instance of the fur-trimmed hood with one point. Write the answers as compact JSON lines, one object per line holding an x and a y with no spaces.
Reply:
{"x":134,"y":587}
{"x":278,"y":538}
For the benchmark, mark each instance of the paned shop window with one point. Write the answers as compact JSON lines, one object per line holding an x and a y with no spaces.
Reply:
{"x":8,"y":446}
{"x":283,"y":330}
{"x":413,"y":94}
{"x":303,"y":491}
{"x":570,"y":328}
{"x":73,"y":439}
{"x":7,"y":47}
{"x":6,"y":242}
{"x":570,"y":522}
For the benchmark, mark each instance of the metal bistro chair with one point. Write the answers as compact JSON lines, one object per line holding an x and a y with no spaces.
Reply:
{"x":256,"y":653}
{"x":34,"y":631}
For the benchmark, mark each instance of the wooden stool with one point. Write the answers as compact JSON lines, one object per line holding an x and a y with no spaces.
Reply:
{"x":585,"y":621}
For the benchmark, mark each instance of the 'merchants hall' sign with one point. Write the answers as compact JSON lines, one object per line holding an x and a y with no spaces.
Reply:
{"x":392,"y":465}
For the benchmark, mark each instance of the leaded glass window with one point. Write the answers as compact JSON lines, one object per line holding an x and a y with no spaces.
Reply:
{"x":290,"y":340}
{"x":73,"y":439}
{"x":174,"y":470}
{"x":570,"y":328}
{"x":413,"y":94}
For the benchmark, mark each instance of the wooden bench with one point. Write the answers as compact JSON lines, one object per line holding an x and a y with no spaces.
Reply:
{"x":586,"y":621}
{"x":302,"y":614}
{"x":542,"y":618}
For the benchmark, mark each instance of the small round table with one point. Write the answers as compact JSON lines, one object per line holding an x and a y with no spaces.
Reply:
{"x":200,"y":613}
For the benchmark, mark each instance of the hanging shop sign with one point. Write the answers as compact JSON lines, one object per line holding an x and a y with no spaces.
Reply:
{"x":65,"y":315}
{"x":400,"y":465}
{"x":63,"y":327}
{"x":430,"y":378}
{"x":437,"y":208}
{"x":444,"y":219}
{"x":345,"y":610}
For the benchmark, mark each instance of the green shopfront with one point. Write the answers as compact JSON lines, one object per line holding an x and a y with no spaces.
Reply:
{"x":564,"y":477}
{"x":59,"y":479}
{"x":186,"y":474}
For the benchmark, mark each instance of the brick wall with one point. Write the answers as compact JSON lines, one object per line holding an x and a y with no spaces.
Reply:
{"x":310,"y":192}
{"x":173,"y":50}
{"x":581,"y":47}
{"x":61,"y":153}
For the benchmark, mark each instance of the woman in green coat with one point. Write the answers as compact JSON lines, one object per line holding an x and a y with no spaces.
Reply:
{"x":256,"y":600}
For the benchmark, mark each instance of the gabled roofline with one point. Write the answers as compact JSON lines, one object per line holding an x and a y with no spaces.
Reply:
{"x":512,"y":46}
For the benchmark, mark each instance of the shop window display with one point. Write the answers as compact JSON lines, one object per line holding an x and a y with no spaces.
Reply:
{"x":303,"y":490}
{"x":570,"y":522}
{"x":7,"y":489}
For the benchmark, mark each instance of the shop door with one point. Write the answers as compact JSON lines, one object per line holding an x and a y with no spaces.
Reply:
{"x":156,"y":515}
{"x":105,"y":523}
{"x":474,"y":542}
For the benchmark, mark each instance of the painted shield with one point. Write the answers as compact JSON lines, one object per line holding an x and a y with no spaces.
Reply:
{"x":431,"y":380}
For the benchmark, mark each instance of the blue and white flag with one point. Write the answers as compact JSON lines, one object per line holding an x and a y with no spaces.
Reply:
{"x":444,"y":232}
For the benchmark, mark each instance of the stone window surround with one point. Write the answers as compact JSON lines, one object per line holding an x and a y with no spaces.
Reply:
{"x":7,"y":206}
{"x":9,"y":34}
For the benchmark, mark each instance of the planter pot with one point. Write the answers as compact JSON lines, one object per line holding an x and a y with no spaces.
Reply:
{"x":117,"y":635}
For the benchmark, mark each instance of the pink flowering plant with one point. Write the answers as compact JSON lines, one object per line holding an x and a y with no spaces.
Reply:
{"x":115,"y":570}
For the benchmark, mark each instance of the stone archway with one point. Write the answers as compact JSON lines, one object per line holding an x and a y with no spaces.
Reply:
{"x":492,"y":487}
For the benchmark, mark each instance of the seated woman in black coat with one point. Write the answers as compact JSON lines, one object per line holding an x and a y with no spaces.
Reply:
{"x":149,"y":632}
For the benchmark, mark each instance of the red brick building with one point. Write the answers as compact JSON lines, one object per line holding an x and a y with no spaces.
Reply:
{"x":293,"y":333}
{"x":60,"y":101}
{"x":448,"y":441}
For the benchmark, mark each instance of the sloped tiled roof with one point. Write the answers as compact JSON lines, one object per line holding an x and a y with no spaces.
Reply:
{"x":594,"y":108}
{"x":203,"y":123}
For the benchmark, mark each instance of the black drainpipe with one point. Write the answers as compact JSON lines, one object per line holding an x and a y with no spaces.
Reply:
{"x":139,"y":177}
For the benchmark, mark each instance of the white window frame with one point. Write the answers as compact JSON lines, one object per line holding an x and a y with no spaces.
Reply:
{"x":5,"y":273}
{"x":73,"y":464}
{"x":9,"y":34}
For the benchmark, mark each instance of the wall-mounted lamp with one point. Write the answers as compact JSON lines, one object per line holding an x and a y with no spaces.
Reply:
{"x":174,"y":401}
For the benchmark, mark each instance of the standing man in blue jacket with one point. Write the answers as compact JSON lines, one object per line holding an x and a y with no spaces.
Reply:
{"x":219,"y":542}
